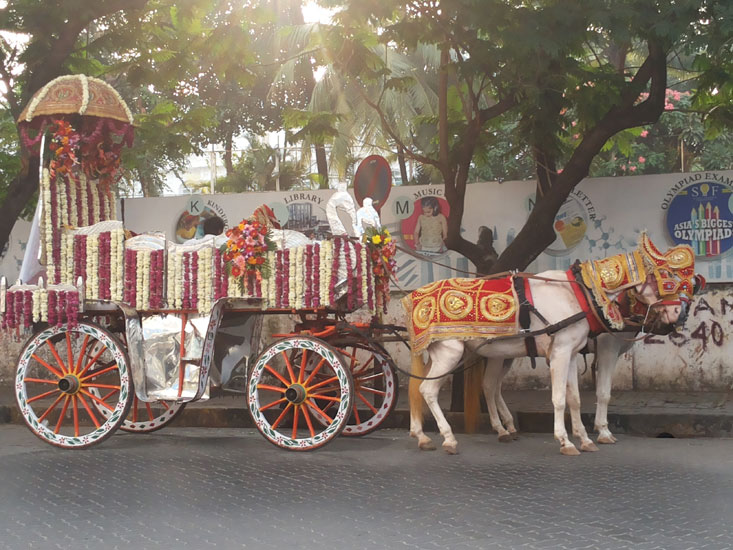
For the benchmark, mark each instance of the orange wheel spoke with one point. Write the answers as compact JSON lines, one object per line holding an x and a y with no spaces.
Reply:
{"x":89,"y":410}
{"x":90,"y":363}
{"x":165,"y":405}
{"x":327,"y":381}
{"x":356,"y":414}
{"x":363,"y":367}
{"x":103,"y":386}
{"x":326,"y":397}
{"x":56,"y":356}
{"x":69,"y":355}
{"x":40,"y":381}
{"x":274,"y":403}
{"x":63,"y":412}
{"x":282,"y":415}
{"x":95,"y":398}
{"x":318,"y":411}
{"x":270,"y":388}
{"x":315,"y":371}
{"x":372,"y":390}
{"x":49,"y":367}
{"x":76,"y":416}
{"x":295,"y":421}
{"x":110,"y":394}
{"x":277,"y":375}
{"x":307,"y":417}
{"x":41,"y":396}
{"x":363,"y":379}
{"x":81,"y":353}
{"x":303,"y":361}
{"x":151,"y":416}
{"x":134,"y":408}
{"x":289,"y":367}
{"x":371,"y":407}
{"x":52,"y":407}
{"x":96,"y":373}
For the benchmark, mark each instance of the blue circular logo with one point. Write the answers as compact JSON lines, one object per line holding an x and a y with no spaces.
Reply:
{"x":700,"y":215}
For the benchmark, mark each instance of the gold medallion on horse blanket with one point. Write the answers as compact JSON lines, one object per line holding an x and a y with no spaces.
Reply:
{"x":461,"y":309}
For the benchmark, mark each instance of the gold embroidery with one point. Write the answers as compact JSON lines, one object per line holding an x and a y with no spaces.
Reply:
{"x":455,"y":304}
{"x":423,"y":313}
{"x":497,"y":307}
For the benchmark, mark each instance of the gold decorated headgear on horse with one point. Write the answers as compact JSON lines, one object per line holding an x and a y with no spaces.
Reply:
{"x":673,"y":270}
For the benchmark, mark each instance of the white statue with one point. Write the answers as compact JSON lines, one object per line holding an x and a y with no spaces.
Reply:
{"x":367,"y":216}
{"x":340,"y":200}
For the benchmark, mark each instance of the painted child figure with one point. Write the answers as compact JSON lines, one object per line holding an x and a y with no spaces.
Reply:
{"x":432,"y":227}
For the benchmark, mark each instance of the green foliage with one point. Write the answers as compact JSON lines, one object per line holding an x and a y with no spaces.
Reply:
{"x":257,"y":169}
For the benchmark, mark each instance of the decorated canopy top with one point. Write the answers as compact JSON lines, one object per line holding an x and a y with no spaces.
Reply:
{"x":77,"y":94}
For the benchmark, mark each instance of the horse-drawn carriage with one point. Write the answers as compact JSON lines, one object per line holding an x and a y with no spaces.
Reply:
{"x":128,"y":329}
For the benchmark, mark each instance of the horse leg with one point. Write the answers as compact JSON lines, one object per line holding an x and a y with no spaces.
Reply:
{"x":444,"y":356}
{"x":608,"y":350}
{"x":492,"y":380}
{"x":416,"y":405}
{"x":586,"y":444}
{"x":560,"y":358}
{"x":504,"y":412}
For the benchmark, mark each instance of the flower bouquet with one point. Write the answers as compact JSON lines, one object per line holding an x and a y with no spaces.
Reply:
{"x":245,"y":252}
{"x":382,"y":250}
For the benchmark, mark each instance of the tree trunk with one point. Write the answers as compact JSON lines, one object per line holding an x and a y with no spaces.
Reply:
{"x":322,"y":164}
{"x":228,"y":164}
{"x":403,"y":165}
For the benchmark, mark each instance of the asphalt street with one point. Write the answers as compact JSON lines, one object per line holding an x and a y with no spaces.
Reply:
{"x":228,"y":488}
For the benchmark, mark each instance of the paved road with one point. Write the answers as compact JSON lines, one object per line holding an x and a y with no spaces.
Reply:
{"x":224,"y":488}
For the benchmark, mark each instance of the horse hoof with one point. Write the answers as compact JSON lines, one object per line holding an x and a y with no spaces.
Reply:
{"x":569,"y":450}
{"x":426,"y":446}
{"x":506,"y":438}
{"x":451,"y":449}
{"x":515,"y":435}
{"x":606,"y":439}
{"x":589,"y":447}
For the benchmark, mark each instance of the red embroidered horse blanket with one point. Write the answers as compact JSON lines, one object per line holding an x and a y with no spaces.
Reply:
{"x":461,"y":309}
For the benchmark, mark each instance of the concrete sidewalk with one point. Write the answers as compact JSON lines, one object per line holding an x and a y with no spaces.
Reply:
{"x":653,"y":414}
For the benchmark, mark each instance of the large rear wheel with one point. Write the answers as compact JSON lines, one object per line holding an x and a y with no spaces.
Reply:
{"x":288,"y":387}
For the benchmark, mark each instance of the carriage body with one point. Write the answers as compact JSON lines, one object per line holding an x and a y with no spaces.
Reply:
{"x":133,"y":322}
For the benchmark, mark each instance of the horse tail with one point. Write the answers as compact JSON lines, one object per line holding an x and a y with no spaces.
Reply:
{"x":416,"y":400}
{"x":472,"y":380}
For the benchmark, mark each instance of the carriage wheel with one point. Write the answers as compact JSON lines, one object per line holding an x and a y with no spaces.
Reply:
{"x":375,"y":389}
{"x":63,"y":375}
{"x":147,"y":417}
{"x":284,"y":385}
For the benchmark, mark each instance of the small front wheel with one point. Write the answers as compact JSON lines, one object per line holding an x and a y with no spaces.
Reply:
{"x":288,"y":386}
{"x":64,"y":376}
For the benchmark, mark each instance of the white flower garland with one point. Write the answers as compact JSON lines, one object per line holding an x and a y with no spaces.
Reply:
{"x":271,"y":286}
{"x":84,"y":94}
{"x":47,"y":233}
{"x":92,"y":286}
{"x":204,"y":280}
{"x":170,"y":291}
{"x":37,"y":294}
{"x":43,"y":300}
{"x":299,"y":276}
{"x":61,"y":198}
{"x":83,"y":198}
{"x":326,"y":261}
{"x":116,"y":264}
{"x":73,"y":218}
{"x":67,"y":243}
{"x":95,"y":205}
{"x":178,"y":283}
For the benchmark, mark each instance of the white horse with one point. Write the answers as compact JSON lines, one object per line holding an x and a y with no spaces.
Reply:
{"x":556,"y":301}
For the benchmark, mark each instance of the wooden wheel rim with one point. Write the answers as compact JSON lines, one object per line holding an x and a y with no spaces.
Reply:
{"x":118,"y":412}
{"x":389,"y":399}
{"x":345,"y":395}
{"x":151,"y":420}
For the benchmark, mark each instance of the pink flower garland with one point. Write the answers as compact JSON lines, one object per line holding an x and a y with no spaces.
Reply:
{"x":79,"y":210}
{"x":334,"y":273}
{"x":349,"y":278}
{"x":156,"y":279}
{"x":72,"y":309}
{"x":90,"y":204}
{"x":130,"y":291}
{"x":61,"y":305}
{"x":286,"y":278}
{"x":217,"y":274}
{"x":359,"y":275}
{"x":51,"y":308}
{"x":105,"y":248}
{"x":195,"y":280}
{"x":55,"y":236}
{"x":370,"y":286}
{"x":27,"y":308}
{"x":279,"y":278}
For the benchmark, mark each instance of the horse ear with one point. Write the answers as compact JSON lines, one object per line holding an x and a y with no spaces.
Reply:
{"x":699,"y":284}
